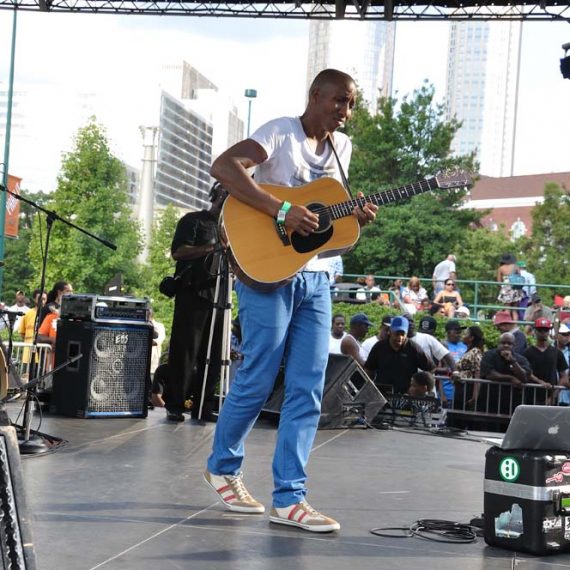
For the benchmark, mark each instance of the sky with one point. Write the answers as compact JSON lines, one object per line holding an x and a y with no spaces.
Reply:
{"x":115,"y":60}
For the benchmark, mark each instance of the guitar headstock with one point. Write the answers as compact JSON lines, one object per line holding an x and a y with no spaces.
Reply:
{"x":453,"y":179}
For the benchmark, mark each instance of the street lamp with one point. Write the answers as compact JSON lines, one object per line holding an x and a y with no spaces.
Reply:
{"x":250,"y":94}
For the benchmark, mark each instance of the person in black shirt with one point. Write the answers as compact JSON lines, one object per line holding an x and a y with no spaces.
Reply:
{"x":503,"y":364}
{"x":394,"y":360}
{"x":193,"y":245}
{"x":546,"y":361}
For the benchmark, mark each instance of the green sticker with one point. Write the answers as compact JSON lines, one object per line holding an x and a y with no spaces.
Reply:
{"x":509,"y":469}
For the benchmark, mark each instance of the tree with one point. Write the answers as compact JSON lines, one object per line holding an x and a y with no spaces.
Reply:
{"x":478,"y":255}
{"x":18,"y":271}
{"x":160,"y":264}
{"x":548,"y":246}
{"x":397,"y":146}
{"x":92,"y":192}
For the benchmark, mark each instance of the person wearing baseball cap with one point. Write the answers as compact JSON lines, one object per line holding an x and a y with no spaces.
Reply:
{"x":536,"y":310}
{"x":351,"y":342}
{"x":438,"y":353}
{"x":393,"y":360}
{"x":380,"y":335}
{"x":563,"y":345}
{"x":504,"y":323}
{"x":549,"y":367}
{"x":457,"y":348}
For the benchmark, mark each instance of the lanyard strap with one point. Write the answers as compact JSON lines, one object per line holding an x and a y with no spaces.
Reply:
{"x":341,"y":169}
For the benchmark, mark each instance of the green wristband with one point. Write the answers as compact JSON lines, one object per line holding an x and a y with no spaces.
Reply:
{"x":285,"y":207}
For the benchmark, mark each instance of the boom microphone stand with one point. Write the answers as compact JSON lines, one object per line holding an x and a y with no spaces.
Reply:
{"x":222,"y":305}
{"x":33,"y":444}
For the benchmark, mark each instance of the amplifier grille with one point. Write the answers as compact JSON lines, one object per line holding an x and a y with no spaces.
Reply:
{"x":118,"y":362}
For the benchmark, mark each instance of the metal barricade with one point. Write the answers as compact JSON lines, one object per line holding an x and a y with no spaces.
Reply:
{"x":22,"y":357}
{"x":496,"y":400}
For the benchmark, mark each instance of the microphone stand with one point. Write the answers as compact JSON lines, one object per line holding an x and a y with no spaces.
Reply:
{"x":33,"y":444}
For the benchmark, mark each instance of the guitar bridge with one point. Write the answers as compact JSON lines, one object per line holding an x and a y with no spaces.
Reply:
{"x":282,"y":233}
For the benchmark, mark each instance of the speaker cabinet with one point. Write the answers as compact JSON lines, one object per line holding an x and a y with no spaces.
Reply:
{"x":113,"y":376}
{"x":350,"y":398}
{"x":16,"y":544}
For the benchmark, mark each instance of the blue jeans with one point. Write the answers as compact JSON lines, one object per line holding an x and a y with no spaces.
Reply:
{"x":290,"y":323}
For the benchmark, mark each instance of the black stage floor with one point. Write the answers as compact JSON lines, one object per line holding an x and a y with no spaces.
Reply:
{"x":127,"y":494}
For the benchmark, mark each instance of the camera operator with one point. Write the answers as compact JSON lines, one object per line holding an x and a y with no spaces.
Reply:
{"x":193,"y":245}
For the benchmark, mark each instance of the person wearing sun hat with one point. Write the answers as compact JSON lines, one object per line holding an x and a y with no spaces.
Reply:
{"x":504,"y":323}
{"x":508,"y":275}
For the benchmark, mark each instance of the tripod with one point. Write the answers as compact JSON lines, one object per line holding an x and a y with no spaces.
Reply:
{"x":222,"y":306}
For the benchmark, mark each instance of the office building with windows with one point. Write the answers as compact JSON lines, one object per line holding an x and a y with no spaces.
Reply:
{"x":482,"y":84}
{"x":196,"y":123}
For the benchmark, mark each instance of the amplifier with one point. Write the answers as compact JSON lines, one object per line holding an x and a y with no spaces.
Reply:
{"x":113,"y":309}
{"x":101,"y":309}
{"x":77,"y":307}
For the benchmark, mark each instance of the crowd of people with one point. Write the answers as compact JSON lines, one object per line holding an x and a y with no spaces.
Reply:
{"x":397,"y":352}
{"x":516,"y":288}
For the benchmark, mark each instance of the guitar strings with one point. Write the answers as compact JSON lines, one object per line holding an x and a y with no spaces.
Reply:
{"x":376,"y":198}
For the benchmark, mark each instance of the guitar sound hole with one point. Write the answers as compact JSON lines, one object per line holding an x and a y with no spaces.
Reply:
{"x":313,"y":241}
{"x":324,"y":216}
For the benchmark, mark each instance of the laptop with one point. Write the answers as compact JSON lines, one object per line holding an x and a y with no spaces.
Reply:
{"x":539,"y":428}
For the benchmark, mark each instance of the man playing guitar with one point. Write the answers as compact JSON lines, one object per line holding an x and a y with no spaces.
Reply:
{"x":290,"y":323}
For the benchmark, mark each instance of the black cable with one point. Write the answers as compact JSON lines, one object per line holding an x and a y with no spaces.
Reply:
{"x":436,"y":530}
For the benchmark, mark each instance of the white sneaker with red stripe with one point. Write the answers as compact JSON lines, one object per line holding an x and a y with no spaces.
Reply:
{"x":232,"y":492}
{"x":303,"y":516}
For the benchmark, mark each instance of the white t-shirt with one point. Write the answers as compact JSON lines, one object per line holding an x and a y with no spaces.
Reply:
{"x":290,"y":159}
{"x":430,"y":345}
{"x":365,"y":294}
{"x":442,"y":270}
{"x":367,"y":346}
{"x":334,"y":344}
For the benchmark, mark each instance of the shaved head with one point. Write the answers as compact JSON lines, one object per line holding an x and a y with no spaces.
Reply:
{"x":330,"y":77}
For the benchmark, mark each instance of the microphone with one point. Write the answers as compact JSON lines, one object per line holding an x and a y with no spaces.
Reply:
{"x":11,"y":314}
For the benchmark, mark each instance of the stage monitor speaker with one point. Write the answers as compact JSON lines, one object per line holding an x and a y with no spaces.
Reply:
{"x":350,"y":398}
{"x":113,"y":376}
{"x":16,"y":544}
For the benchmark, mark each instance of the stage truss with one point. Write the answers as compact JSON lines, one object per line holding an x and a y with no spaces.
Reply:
{"x":341,"y":9}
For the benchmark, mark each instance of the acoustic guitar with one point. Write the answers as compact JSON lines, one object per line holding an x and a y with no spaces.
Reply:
{"x":265,"y":255}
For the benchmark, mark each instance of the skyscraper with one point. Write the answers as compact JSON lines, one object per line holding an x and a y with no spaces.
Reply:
{"x":482,"y":84}
{"x":363,"y":49}
{"x":196,"y":122}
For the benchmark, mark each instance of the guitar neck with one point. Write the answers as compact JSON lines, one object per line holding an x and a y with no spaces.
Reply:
{"x":344,"y":209}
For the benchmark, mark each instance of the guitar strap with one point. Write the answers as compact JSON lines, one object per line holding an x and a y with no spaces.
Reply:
{"x":341,"y":169}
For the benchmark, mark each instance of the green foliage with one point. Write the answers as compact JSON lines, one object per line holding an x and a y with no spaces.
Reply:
{"x":18,"y":271}
{"x":397,"y":146}
{"x":547,"y":248}
{"x":92,"y":192}
{"x":478,"y":255}
{"x":160,"y":264}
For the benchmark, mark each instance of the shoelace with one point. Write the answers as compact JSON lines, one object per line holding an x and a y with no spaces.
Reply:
{"x":308,"y":509}
{"x":238,"y":486}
